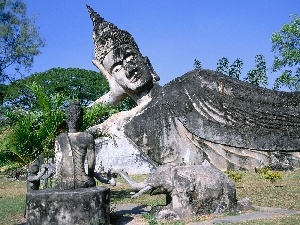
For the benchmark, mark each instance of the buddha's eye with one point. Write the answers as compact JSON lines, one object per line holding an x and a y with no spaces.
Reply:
{"x":129,"y":57}
{"x":117,"y":68}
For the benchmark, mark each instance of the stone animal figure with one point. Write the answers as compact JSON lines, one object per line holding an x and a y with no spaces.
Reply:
{"x":191,"y":190}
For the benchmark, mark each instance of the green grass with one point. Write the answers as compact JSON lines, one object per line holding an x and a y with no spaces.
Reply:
{"x":12,"y":201}
{"x":284,"y":193}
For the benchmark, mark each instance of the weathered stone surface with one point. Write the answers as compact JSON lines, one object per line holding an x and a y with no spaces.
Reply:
{"x":126,"y":156}
{"x":71,"y":151}
{"x":244,"y":204}
{"x":65,"y":207}
{"x":73,"y":202}
{"x":200,"y":115}
{"x":118,"y":57}
{"x":206,"y":115}
{"x":233,"y":127}
{"x":191,"y":190}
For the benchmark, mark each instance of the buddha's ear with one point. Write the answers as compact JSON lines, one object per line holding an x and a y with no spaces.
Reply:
{"x":153,"y":73}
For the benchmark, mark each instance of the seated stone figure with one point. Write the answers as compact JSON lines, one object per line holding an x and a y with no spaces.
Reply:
{"x":71,"y":150}
{"x":200,"y":115}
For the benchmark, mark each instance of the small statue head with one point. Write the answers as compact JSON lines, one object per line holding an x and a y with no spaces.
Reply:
{"x":74,"y":116}
{"x":33,"y":169}
{"x":119,"y":54}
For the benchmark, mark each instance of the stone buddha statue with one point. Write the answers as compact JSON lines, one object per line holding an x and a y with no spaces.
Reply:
{"x":71,"y":150}
{"x":202,"y":115}
{"x":119,"y":59}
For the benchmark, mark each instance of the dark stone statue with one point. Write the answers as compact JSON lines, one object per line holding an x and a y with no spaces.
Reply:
{"x":76,"y":198}
{"x":39,"y":171}
{"x":202,"y":115}
{"x":34,"y":176}
{"x":71,"y":150}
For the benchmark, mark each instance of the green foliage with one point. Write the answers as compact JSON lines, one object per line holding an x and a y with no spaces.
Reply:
{"x":262,"y":170}
{"x":267,"y":174}
{"x":74,"y":83}
{"x":33,"y":133}
{"x":3,"y":88}
{"x":93,"y":114}
{"x":222,"y":66}
{"x":272,"y":176}
{"x":289,"y":80}
{"x":235,"y":176}
{"x":150,"y":219}
{"x":197,"y":64}
{"x":19,"y":38}
{"x":258,"y":76}
{"x":32,"y":114}
{"x":286,"y":46}
{"x":126,"y":104}
{"x":234,"y":70}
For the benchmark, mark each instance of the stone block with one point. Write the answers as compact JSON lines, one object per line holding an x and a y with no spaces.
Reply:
{"x":62,"y":207}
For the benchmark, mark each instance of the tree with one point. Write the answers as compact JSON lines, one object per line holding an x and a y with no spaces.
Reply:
{"x":222,"y":66}
{"x":19,"y":38}
{"x":234,"y":70}
{"x":197,"y":64}
{"x":286,"y":46}
{"x":258,"y":76}
{"x":3,"y":88}
{"x":32,"y":132}
{"x":74,"y":83}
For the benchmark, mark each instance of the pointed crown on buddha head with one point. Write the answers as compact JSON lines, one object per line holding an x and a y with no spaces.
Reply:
{"x":107,"y":36}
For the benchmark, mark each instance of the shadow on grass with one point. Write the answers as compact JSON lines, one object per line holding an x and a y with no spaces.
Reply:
{"x":118,"y":195}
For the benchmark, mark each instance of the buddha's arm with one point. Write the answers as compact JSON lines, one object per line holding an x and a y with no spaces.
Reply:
{"x":116,"y":93}
{"x":109,"y":98}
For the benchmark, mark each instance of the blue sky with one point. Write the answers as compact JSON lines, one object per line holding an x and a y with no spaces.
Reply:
{"x":172,"y":33}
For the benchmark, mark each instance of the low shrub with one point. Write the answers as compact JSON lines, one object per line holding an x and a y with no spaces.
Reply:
{"x":234,"y":175}
{"x":268,"y":174}
{"x":272,"y":176}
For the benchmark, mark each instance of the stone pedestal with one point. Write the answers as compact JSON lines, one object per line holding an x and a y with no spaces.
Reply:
{"x":62,"y":207}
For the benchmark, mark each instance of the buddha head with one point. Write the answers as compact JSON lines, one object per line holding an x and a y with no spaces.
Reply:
{"x":119,"y":54}
{"x":74,"y":116}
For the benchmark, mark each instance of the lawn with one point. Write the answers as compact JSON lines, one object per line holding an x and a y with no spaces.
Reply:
{"x":12,"y":201}
{"x":284,"y":193}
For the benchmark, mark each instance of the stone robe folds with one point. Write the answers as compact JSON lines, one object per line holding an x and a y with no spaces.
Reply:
{"x":70,"y":154}
{"x":206,"y":115}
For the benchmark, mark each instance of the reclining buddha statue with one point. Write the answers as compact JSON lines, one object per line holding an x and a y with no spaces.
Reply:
{"x":202,"y":115}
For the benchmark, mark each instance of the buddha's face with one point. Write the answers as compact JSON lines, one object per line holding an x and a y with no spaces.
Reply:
{"x":129,"y":68}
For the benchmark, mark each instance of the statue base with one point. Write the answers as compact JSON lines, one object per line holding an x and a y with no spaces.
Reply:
{"x":76,"y":206}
